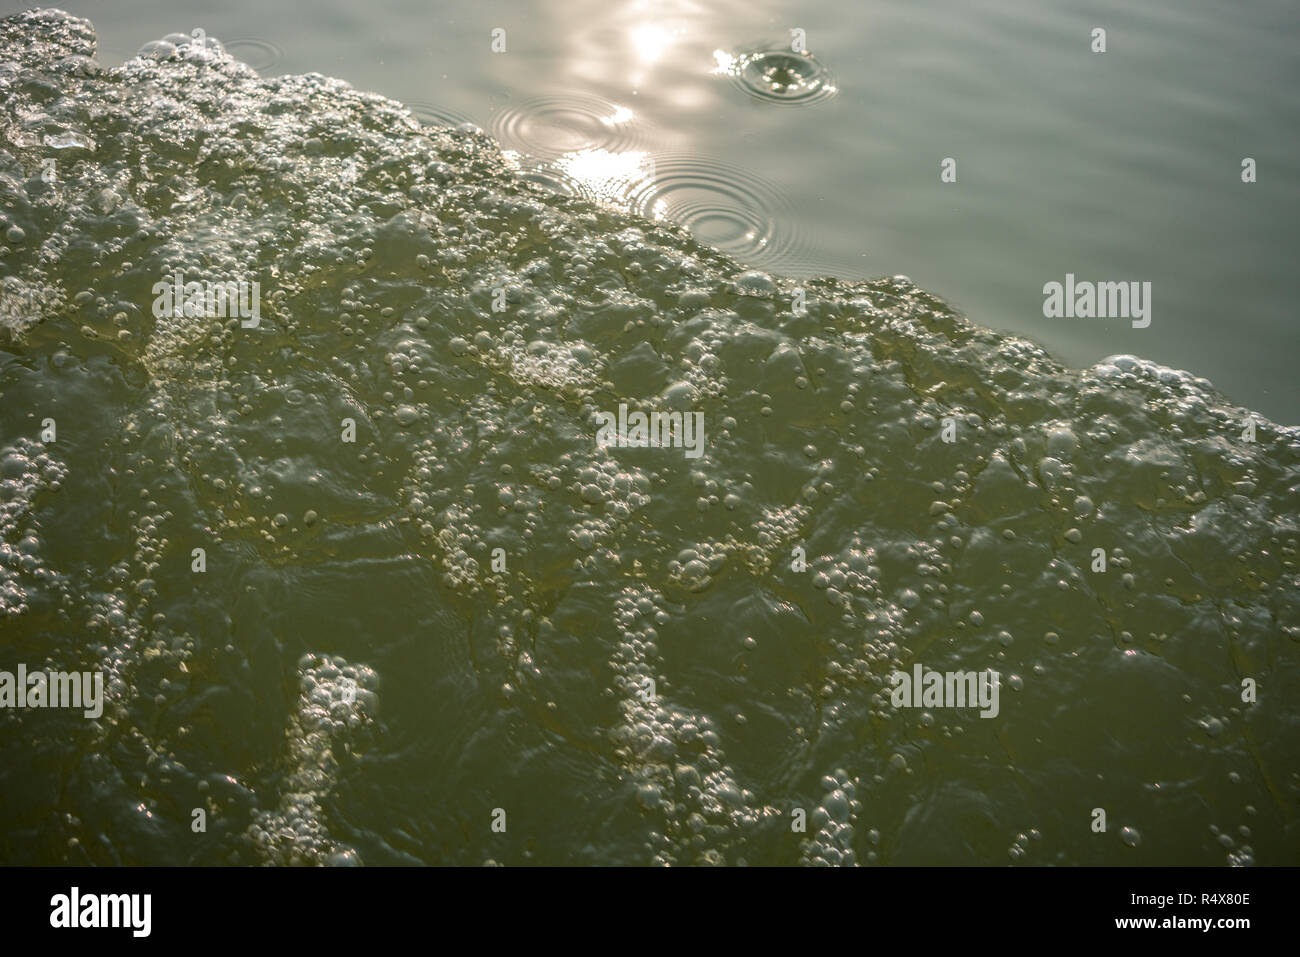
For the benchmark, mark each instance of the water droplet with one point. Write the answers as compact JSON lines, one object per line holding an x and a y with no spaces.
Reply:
{"x":782,"y":76}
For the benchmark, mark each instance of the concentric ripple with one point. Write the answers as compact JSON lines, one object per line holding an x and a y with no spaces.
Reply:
{"x":260,"y":54}
{"x":779,"y":76}
{"x":549,"y":127}
{"x":551,"y":178}
{"x":722,"y":205}
{"x":430,"y":114}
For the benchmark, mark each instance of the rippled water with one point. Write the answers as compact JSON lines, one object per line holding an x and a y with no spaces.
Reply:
{"x":261,"y":55}
{"x":651,"y":677}
{"x":778,"y":76}
{"x":1117,"y":166}
{"x":726,"y":206}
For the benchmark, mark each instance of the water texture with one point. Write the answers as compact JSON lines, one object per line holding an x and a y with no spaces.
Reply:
{"x":353,"y":679}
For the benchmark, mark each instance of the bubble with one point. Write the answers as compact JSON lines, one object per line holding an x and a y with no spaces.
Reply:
{"x":1061,"y":442}
{"x":174,"y":43}
{"x":335,"y":699}
{"x":157,"y":50}
{"x":755,"y":283}
{"x":69,"y":139}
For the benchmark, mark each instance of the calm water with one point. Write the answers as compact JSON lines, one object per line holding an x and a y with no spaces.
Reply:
{"x":434,"y":621}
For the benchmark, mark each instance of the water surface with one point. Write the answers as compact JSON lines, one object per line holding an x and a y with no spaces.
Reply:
{"x":353,"y":676}
{"x":1117,"y":166}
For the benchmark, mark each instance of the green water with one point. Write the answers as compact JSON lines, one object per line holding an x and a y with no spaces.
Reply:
{"x":351,"y":678}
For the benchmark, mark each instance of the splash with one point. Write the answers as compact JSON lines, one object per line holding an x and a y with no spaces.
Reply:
{"x":788,"y":77}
